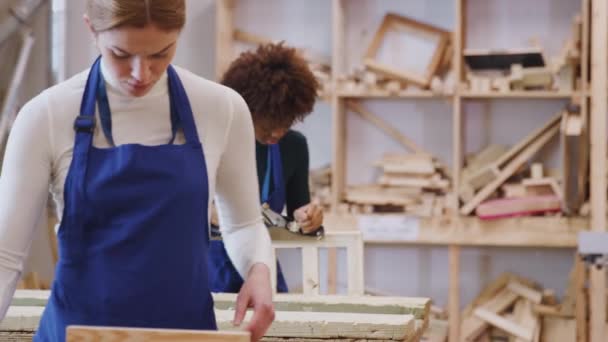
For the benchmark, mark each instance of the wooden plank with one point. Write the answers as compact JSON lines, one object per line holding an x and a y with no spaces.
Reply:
{"x":390,"y":130}
{"x":528,"y":140}
{"x":337,"y":104}
{"x":599,"y":108}
{"x":507,"y":325}
{"x":519,"y":206}
{"x":310,"y":270}
{"x":580,"y":299}
{"x":544,"y":232}
{"x":558,"y":330}
{"x":388,"y":305}
{"x":473,"y":326}
{"x":330,"y":325}
{"x":454,"y":293}
{"x":529,"y":320}
{"x":511,"y":168}
{"x":527,"y":292}
{"x":87,"y":333}
{"x":224,"y":23}
{"x":355,"y":267}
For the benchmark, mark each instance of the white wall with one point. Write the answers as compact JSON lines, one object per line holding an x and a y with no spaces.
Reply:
{"x":421,"y":271}
{"x":36,"y":78}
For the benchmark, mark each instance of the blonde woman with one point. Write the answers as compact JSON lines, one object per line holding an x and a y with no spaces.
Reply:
{"x":132,"y":151}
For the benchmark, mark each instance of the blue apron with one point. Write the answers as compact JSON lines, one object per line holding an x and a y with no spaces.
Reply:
{"x":222,"y":273}
{"x":133,"y":239}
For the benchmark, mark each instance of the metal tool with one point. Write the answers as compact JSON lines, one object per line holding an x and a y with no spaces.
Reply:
{"x":593,"y":248}
{"x":273,"y":219}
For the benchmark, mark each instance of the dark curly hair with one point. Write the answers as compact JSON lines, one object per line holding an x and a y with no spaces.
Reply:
{"x":276,"y":83}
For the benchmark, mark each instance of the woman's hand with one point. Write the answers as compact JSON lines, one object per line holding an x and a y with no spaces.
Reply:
{"x":309,"y":217}
{"x":256,"y":293}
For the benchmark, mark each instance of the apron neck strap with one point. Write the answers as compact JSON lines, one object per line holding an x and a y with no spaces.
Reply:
{"x":95,"y":91}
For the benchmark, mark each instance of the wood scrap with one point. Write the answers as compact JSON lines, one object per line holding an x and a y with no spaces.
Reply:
{"x":574,"y":138}
{"x":520,"y":206}
{"x":556,"y":329}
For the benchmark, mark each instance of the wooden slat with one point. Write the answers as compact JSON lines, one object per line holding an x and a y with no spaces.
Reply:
{"x":418,"y":307}
{"x":224,"y":20}
{"x":330,"y":325}
{"x":553,"y":232}
{"x":473,"y":326}
{"x":529,"y":293}
{"x":599,"y":108}
{"x":108,"y":334}
{"x":389,"y":129}
{"x":509,"y":326}
{"x":310,"y":270}
{"x":454,"y":293}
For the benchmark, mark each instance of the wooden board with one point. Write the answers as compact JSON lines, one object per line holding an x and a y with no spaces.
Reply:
{"x":521,"y":206}
{"x":418,"y":307}
{"x":110,"y":334}
{"x":472,"y":231}
{"x":289,"y":324}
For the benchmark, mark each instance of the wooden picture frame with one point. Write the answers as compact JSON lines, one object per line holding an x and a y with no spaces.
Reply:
{"x":386,"y":51}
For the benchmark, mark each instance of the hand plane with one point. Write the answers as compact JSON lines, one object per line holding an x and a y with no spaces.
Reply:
{"x":273,"y":219}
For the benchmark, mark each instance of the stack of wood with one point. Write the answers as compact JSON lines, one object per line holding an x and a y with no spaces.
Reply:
{"x":525,"y":69}
{"x":320,"y":186}
{"x":409,"y":183}
{"x":516,"y":309}
{"x":323,"y":74}
{"x":486,"y":172}
{"x":363,"y":80}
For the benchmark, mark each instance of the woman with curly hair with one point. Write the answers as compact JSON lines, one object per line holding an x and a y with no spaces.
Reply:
{"x":279,"y":90}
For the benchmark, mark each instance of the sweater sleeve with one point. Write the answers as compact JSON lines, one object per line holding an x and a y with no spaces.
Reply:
{"x":245,"y":237}
{"x":24,"y":186}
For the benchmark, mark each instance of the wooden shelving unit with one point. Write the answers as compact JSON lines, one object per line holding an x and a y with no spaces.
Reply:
{"x":462,"y":231}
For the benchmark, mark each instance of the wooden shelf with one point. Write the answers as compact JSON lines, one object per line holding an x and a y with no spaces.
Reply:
{"x":424,"y":94}
{"x":521,"y":95}
{"x":547,"y":232}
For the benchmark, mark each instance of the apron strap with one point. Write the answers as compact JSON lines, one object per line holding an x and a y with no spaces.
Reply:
{"x":105,"y":114}
{"x":274,"y":169}
{"x":181,"y":103}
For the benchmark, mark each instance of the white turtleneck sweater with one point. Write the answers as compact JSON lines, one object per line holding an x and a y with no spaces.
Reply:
{"x":39,"y":153}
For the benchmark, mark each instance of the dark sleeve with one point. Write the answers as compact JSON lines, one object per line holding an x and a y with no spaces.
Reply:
{"x":297,"y":191}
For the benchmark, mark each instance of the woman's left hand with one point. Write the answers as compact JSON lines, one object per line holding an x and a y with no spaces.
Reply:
{"x":256,"y":293}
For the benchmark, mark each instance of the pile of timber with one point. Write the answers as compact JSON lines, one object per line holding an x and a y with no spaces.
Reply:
{"x":409,"y":183}
{"x":320,"y":186}
{"x":298,"y":317}
{"x":363,"y":80}
{"x":516,"y":309}
{"x":500,"y":182}
{"x":488,"y":72}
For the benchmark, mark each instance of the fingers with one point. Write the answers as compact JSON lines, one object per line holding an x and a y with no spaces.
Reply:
{"x":263,"y":315}
{"x":242,"y":302}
